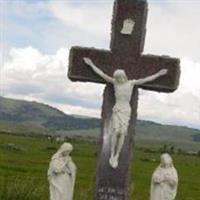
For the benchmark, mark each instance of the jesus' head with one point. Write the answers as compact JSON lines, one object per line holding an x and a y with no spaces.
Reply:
{"x":120,"y":76}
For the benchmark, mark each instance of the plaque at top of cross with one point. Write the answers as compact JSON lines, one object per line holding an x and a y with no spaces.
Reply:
{"x":123,"y":68}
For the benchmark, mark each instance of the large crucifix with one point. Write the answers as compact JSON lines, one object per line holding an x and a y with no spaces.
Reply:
{"x":123,"y":68}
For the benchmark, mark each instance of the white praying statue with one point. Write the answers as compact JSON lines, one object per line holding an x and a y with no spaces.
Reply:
{"x":62,"y":174}
{"x":121,"y":111}
{"x":164,"y":181}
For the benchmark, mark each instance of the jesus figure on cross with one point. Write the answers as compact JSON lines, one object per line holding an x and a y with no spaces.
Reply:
{"x":121,"y":112}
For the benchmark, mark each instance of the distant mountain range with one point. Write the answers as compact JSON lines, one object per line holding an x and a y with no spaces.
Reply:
{"x":24,"y":117}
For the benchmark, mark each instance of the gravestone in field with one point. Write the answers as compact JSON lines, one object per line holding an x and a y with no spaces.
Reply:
{"x":127,"y":43}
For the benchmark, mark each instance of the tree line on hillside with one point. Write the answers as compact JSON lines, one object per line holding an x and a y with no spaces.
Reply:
{"x":69,"y":123}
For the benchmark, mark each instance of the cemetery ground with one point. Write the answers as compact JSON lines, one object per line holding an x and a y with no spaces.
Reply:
{"x":24,"y":162}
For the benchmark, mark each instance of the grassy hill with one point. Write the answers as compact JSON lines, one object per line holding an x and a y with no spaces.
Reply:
{"x":24,"y":162}
{"x":23,"y":117}
{"x":17,"y":116}
{"x":24,"y":159}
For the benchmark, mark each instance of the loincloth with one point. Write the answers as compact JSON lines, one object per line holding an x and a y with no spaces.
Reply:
{"x":120,"y":120}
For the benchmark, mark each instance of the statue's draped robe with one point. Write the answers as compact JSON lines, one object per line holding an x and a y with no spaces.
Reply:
{"x":167,"y":189}
{"x":61,"y":175}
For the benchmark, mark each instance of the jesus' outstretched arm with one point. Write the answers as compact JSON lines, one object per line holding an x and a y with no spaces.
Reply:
{"x":107,"y":78}
{"x":150,"y":78}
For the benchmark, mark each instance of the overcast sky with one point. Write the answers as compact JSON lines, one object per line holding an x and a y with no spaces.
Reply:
{"x":36,"y":36}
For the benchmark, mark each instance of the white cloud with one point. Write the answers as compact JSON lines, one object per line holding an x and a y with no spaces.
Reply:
{"x":172,"y":29}
{"x":31,"y":75}
{"x":1,"y":59}
{"x":180,"y":107}
{"x":85,"y":17}
{"x":79,"y":110}
{"x":87,"y":24}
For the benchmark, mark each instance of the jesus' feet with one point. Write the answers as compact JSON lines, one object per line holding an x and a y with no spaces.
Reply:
{"x":113,"y":162}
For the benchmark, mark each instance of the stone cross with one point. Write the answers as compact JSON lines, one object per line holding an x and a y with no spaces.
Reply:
{"x":126,"y":47}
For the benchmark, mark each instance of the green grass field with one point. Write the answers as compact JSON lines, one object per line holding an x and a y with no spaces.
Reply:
{"x":23,"y":170}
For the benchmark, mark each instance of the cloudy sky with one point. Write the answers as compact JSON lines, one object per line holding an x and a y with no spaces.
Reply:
{"x":36,"y":36}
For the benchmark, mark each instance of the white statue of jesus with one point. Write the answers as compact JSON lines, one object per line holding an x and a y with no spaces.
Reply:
{"x":164,"y":180}
{"x":121,"y":111}
{"x":62,"y":174}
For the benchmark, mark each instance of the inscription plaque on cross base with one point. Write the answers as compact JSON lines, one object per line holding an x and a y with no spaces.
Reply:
{"x":127,"y":43}
{"x":107,"y":193}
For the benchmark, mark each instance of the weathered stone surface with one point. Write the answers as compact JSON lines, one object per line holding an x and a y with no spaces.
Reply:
{"x":113,"y":183}
{"x":78,"y":70}
{"x":131,"y":45}
{"x":145,"y":66}
{"x":125,"y":53}
{"x":150,"y":64}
